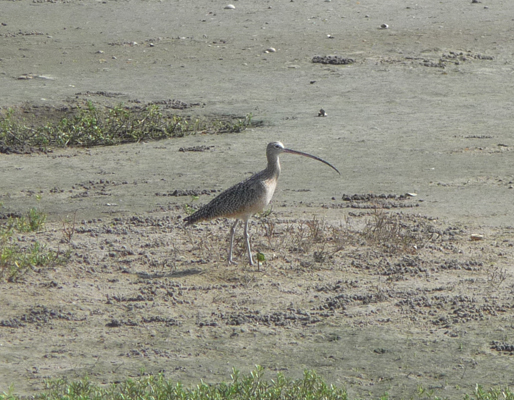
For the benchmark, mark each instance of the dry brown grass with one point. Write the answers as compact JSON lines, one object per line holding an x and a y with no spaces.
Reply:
{"x":396,"y":232}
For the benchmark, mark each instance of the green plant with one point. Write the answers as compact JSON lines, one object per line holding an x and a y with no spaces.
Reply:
{"x":252,"y":386}
{"x":33,"y":222}
{"x":90,"y":125}
{"x":16,"y":259}
{"x":9,"y":395}
{"x":492,"y":394}
{"x":261,"y":257}
{"x":189,"y":209}
{"x":36,"y":220}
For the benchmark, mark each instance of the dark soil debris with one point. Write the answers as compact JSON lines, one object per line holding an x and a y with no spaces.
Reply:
{"x":332,"y":59}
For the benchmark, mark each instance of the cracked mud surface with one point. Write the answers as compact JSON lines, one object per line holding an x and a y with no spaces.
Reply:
{"x":419,"y":124}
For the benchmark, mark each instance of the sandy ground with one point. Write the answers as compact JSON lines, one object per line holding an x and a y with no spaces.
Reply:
{"x":425,"y":108}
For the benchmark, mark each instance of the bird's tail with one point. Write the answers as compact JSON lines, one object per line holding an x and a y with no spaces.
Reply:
{"x":216,"y":208}
{"x":198,"y":216}
{"x":189,"y":220}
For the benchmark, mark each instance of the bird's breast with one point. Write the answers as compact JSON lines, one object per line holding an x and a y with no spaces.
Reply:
{"x":271,"y":185}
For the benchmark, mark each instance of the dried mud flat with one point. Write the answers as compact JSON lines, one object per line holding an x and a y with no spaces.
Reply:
{"x":375,"y":292}
{"x":376,"y":301}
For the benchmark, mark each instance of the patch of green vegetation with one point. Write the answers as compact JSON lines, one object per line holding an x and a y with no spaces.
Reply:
{"x":89,"y":125}
{"x":188,"y":208}
{"x":33,"y":222}
{"x":248,"y":387}
{"x":491,"y":394}
{"x":16,"y":259}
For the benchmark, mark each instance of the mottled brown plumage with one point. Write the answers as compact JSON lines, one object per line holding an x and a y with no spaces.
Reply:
{"x":246,"y":198}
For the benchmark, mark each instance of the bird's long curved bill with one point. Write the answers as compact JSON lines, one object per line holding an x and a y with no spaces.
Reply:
{"x":300,"y":153}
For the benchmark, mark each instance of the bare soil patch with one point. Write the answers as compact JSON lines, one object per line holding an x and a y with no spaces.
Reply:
{"x":376,"y":301}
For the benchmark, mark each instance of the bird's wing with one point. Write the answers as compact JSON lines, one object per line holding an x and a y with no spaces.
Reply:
{"x":240,"y":200}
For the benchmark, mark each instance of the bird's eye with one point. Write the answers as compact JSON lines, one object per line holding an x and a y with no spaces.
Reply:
{"x":277,"y":146}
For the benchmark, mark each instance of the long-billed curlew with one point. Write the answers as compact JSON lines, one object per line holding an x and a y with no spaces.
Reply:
{"x":248,"y":197}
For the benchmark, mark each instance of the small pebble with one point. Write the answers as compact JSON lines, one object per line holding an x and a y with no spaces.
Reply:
{"x":271,"y":50}
{"x":384,"y":26}
{"x":230,"y":7}
{"x":476,"y":236}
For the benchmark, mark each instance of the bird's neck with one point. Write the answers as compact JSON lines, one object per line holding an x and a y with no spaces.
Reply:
{"x":273,"y":168}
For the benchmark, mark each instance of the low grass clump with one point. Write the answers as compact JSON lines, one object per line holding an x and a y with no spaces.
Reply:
{"x":397,"y":233}
{"x":16,"y":258}
{"x":248,"y":387}
{"x":317,"y":242}
{"x":87,"y":125}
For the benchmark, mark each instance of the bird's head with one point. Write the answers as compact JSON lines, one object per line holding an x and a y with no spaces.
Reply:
{"x":274,"y":149}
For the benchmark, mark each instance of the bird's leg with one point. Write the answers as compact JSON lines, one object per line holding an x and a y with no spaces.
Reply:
{"x":232,"y":232}
{"x":248,"y":243}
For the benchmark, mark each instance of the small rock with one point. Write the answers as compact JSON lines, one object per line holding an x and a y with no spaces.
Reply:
{"x":384,"y":26}
{"x":476,"y":237}
{"x":230,"y":7}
